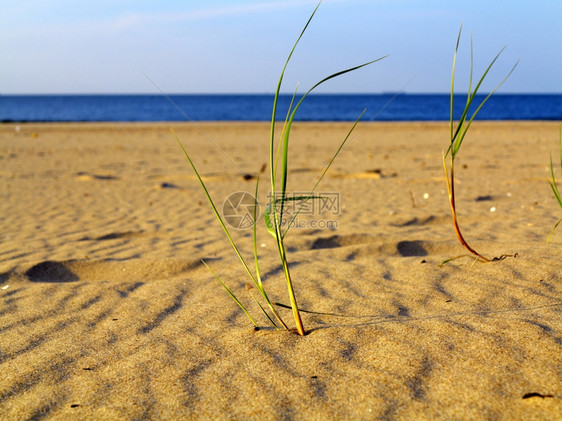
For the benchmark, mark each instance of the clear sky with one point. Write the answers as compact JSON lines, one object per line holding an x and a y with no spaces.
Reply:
{"x":239,"y":46}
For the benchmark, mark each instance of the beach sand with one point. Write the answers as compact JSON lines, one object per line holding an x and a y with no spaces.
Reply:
{"x":106,"y":311}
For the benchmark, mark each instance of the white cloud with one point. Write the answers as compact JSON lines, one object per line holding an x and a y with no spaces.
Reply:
{"x":130,"y":20}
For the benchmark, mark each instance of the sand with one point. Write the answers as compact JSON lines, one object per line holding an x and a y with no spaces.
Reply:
{"x":106,"y":311}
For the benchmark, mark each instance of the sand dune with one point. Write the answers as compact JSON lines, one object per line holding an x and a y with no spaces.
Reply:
{"x":106,"y":311}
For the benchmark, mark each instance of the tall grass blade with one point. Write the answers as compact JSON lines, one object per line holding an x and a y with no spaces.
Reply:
{"x":458,"y":135}
{"x":279,"y":167}
{"x":326,"y":168}
{"x":276,"y":97}
{"x":269,"y":212}
{"x":289,"y":122}
{"x":285,"y":127}
{"x":278,"y":163}
{"x":249,"y":288}
{"x":215,"y":211}
{"x":254,"y":232}
{"x":231,"y":294}
{"x":554,"y":186}
{"x":225,"y":229}
{"x":464,"y":130}
{"x":552,"y":231}
{"x":255,"y":241}
{"x":453,"y":83}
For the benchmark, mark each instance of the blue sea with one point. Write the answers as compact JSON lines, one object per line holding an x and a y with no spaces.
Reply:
{"x":257,"y":107}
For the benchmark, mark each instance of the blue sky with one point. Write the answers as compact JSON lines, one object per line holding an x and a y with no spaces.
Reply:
{"x":239,"y":46}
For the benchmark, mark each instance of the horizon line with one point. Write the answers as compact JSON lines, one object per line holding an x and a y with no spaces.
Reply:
{"x":259,"y":93}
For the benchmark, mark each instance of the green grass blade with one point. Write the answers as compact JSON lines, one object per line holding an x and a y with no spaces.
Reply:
{"x":453,"y":86}
{"x":560,"y":148}
{"x":225,"y":229}
{"x":277,"y":154}
{"x":326,"y":168}
{"x":553,"y":184}
{"x":254,"y":232}
{"x":289,"y":123}
{"x":552,"y":231}
{"x":270,"y":219}
{"x":458,"y":134}
{"x":465,"y":128}
{"x":292,"y":297}
{"x":258,"y":276}
{"x":231,"y":294}
{"x":262,"y":309}
{"x":279,"y":166}
{"x":215,"y":211}
{"x":272,"y":162}
{"x":471,"y":69}
{"x":462,"y":128}
{"x":276,"y":97}
{"x":342,"y":144}
{"x":268,"y":213}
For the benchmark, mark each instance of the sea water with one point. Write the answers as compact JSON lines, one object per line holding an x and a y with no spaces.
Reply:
{"x":258,"y":107}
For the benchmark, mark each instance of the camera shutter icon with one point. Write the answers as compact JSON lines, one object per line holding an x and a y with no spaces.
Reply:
{"x":238,"y":210}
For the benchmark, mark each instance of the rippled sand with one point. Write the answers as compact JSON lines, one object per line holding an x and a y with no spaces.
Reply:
{"x":106,"y":311}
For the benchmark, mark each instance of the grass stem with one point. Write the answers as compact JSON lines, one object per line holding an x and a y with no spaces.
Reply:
{"x":458,"y":134}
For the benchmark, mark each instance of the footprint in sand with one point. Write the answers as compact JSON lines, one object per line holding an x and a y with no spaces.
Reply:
{"x":50,"y":271}
{"x":206,"y":177}
{"x":375,"y":173}
{"x":117,"y":235}
{"x":411,"y":248}
{"x":369,"y":246}
{"x":84,"y":176}
{"x":429,"y":220}
{"x":104,"y":270}
{"x":336,"y":241}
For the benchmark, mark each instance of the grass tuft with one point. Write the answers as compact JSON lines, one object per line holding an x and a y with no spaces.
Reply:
{"x":279,"y":171}
{"x":457,"y":135}
{"x":554,"y":186}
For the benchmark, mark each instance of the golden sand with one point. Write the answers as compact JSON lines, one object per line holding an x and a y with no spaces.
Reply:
{"x":106,"y":311}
